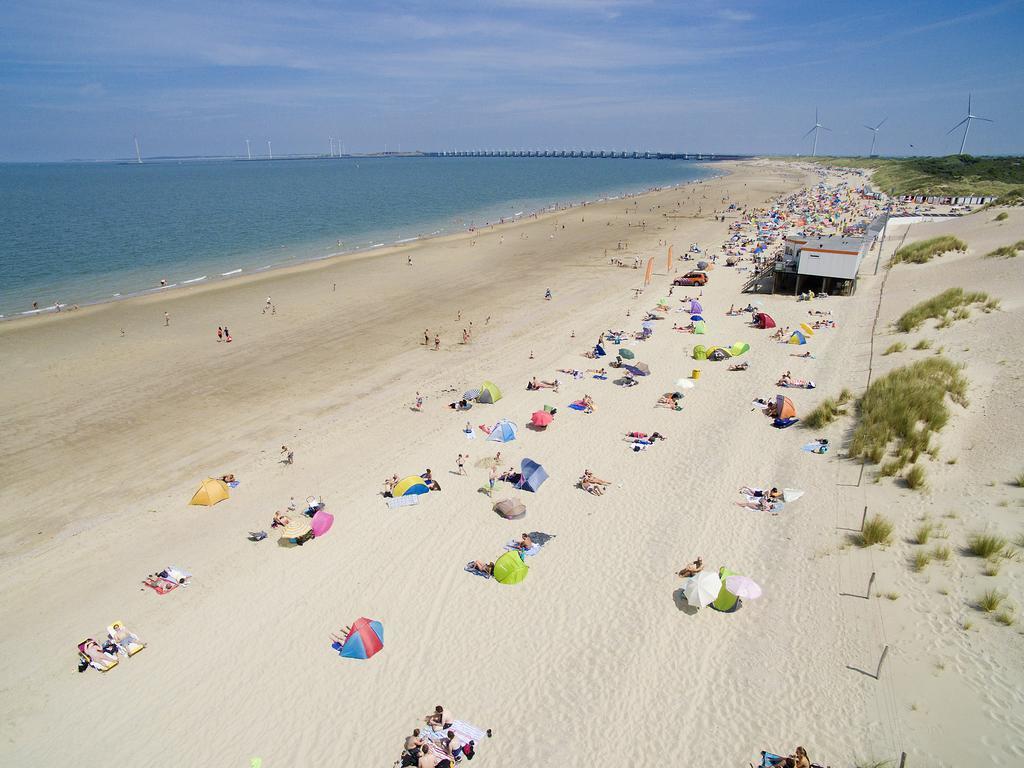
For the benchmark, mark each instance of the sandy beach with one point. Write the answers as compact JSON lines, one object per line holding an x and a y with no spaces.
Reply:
{"x":115,"y":414}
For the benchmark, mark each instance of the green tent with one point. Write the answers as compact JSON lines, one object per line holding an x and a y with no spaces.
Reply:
{"x":726,"y":601}
{"x":489,"y":393}
{"x":739,"y":348}
{"x":699,"y":327}
{"x":510,"y":569}
{"x":700,"y":352}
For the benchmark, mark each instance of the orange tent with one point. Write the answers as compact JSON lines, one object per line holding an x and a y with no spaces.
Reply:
{"x":784,"y":408}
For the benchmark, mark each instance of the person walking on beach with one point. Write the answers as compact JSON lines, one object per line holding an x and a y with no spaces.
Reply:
{"x":267,"y":306}
{"x":227,"y":334}
{"x":289,"y":456}
{"x":220,"y":333}
{"x":492,"y":478}
{"x":167,"y":319}
{"x":419,"y":402}
{"x":426,"y":337}
{"x":437,"y":342}
{"x":461,"y":463}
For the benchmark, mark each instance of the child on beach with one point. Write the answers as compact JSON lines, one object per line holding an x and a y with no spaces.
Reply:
{"x":461,"y":463}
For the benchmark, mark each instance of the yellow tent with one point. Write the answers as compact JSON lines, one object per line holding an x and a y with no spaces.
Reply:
{"x":210,"y":492}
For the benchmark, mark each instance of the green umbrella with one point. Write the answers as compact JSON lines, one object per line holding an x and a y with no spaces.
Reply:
{"x":626,"y":353}
{"x":510,"y":568}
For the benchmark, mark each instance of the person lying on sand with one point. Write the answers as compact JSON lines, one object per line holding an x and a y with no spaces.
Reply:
{"x":535,"y":384}
{"x":671,"y":400}
{"x":763,"y":504}
{"x":644,"y":436}
{"x":688,"y":328}
{"x":487,"y":569}
{"x":280,"y":520}
{"x":692,"y":568}
{"x":341,"y":635}
{"x":773,"y":495}
{"x":572,"y":372}
{"x":597,"y":371}
{"x":739,"y":366}
{"x":797,"y":760}
{"x":592,"y":483}
{"x":805,"y":355}
{"x":460,"y":405}
{"x":229,"y":478}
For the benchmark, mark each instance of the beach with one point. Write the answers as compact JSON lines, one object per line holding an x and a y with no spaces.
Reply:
{"x":115,"y":414}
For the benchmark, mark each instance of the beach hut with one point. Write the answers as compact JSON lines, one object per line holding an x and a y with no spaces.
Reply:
{"x":763,"y":320}
{"x":364,"y":639}
{"x":510,"y":569}
{"x":411,"y":486}
{"x":489,"y":393}
{"x":797,"y":338}
{"x":210,"y":492}
{"x":533,"y":475}
{"x":784,"y":408}
{"x":504,"y":432}
{"x":695,"y":307}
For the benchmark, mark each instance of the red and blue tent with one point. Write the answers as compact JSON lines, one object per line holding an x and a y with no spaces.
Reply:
{"x":364,"y":639}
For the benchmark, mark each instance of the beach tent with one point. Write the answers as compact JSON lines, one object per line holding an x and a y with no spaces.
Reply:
{"x":322,"y":522}
{"x":797,"y":338}
{"x":639,"y":369}
{"x":702,"y":265}
{"x":413,"y":485}
{"x":489,"y":393}
{"x":726,"y":602}
{"x":784,"y":408}
{"x":699,"y":327}
{"x":700,"y":352}
{"x":533,"y":475}
{"x":210,"y":492}
{"x":364,"y":639}
{"x":541,"y":418}
{"x":599,"y":351}
{"x":695,"y":307}
{"x":718,"y":354}
{"x":807,"y":329}
{"x":763,"y":320}
{"x":510,"y":509}
{"x":504,"y":432}
{"x":510,"y":568}
{"x":739,"y":348}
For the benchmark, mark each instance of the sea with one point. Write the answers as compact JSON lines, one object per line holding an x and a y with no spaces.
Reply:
{"x":81,"y":233}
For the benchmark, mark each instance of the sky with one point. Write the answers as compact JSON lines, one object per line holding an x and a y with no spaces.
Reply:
{"x":80,"y":78}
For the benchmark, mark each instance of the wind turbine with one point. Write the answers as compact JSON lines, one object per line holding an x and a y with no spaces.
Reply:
{"x":874,"y":135}
{"x":817,"y":127}
{"x":270,"y":151}
{"x":138,"y":155}
{"x":970,"y":116}
{"x":248,"y":151}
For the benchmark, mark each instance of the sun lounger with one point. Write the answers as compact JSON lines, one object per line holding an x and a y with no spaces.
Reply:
{"x":96,"y":658}
{"x":130,"y":645}
{"x":160,"y":585}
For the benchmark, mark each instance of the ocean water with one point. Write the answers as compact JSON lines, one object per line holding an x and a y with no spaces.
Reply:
{"x":78,"y":233}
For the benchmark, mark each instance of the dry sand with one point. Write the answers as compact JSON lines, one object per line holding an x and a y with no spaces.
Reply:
{"x":595,"y":656}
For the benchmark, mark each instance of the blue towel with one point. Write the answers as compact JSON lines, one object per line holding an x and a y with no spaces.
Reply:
{"x":783,"y":423}
{"x":602,"y":378}
{"x":235,"y":483}
{"x":577,"y":407}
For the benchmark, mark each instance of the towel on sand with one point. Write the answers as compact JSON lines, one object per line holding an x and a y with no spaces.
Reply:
{"x":579,"y":405}
{"x":539,"y":540}
{"x":815,"y":447}
{"x":465,"y":732}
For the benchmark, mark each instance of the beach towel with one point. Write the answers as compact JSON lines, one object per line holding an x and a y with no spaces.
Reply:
{"x":539,"y":540}
{"x":257,"y":535}
{"x":235,"y":483}
{"x":403,"y":501}
{"x":465,"y":732}
{"x":600,"y":378}
{"x":159,"y":585}
{"x":578,"y":406}
{"x":484,"y":428}
{"x":783,"y":423}
{"x":470,"y":569}
{"x":762,"y":406}
{"x":815,"y":447}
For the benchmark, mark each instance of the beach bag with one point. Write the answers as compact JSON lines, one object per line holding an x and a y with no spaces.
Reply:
{"x":469,"y":750}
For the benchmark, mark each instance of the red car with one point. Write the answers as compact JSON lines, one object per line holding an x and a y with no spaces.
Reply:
{"x":692,"y":278}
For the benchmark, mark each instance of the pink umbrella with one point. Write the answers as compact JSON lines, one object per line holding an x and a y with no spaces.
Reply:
{"x":743,"y":587}
{"x":541,"y":418}
{"x":322,"y":522}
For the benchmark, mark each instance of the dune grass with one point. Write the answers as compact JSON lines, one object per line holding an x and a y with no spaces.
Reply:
{"x":906,"y":406}
{"x":1019,"y":480}
{"x":915,"y":478}
{"x":829,"y":410}
{"x":986,"y":545}
{"x":921,"y":560}
{"x":1002,"y":216}
{"x":899,"y":346}
{"x":941,"y":553}
{"x":990,"y":600}
{"x":926,"y":250}
{"x":924,"y":532}
{"x":1006,"y":251}
{"x":939,"y":307}
{"x":923,"y":344}
{"x":877,"y":530}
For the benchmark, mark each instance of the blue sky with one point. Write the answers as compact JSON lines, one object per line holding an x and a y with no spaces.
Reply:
{"x":79,"y":77}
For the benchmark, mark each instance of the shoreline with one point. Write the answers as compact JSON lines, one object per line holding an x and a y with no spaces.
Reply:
{"x":331,"y":258}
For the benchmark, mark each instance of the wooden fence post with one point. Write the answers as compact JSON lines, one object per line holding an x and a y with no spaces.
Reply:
{"x":885,"y":652}
{"x":903,"y":760}
{"x":863,"y":518}
{"x":871,"y":583}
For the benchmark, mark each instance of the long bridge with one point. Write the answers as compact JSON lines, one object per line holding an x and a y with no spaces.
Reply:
{"x":588,"y":153}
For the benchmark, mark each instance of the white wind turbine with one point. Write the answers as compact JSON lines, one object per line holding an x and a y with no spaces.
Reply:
{"x":967,"y":120}
{"x":817,"y":127}
{"x":874,"y":135}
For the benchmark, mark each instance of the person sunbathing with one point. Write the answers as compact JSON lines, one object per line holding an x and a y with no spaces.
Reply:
{"x":122,"y":638}
{"x":549,"y":385}
{"x":229,"y":478}
{"x":525,"y":542}
{"x":797,"y":760}
{"x":689,"y":328}
{"x":739,"y":366}
{"x":597,"y":371}
{"x":588,"y":404}
{"x":572,"y":372}
{"x":692,"y":568}
{"x":487,"y":569}
{"x":341,"y":635}
{"x":593,"y":484}
{"x":92,"y":653}
{"x":644,"y":436}
{"x":671,"y":400}
{"x":280,"y":520}
{"x":773,"y":495}
{"x":785,"y":379}
{"x":533,"y":384}
{"x":439,"y":718}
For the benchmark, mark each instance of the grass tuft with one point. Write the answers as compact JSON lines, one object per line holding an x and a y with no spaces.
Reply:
{"x":1002,"y":216}
{"x":987,"y":545}
{"x":1006,"y":618}
{"x":827,"y":411}
{"x":923,"y":344}
{"x":892,"y":595}
{"x":1019,"y":480}
{"x":924,"y":251}
{"x":899,"y":346}
{"x":924,"y":532}
{"x":990,"y":600}
{"x":915,"y":478}
{"x":921,"y":560}
{"x":877,"y":530}
{"x":938,"y":307}
{"x":991,"y":568}
{"x":941,"y":553}
{"x":1006,"y":251}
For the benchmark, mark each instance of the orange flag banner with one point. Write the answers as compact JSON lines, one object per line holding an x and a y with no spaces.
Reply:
{"x":650,"y":271}
{"x":668,"y":263}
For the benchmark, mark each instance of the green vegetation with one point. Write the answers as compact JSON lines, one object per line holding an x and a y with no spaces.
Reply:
{"x":924,"y":251}
{"x":829,"y":410}
{"x":950,"y":175}
{"x":923,"y":344}
{"x":1019,"y":480}
{"x":987,"y":545}
{"x":991,"y":600}
{"x":941,"y":553}
{"x":892,"y":595}
{"x":906,"y":406}
{"x":991,"y":568}
{"x":877,"y":530}
{"x":899,"y":346}
{"x":1006,"y":618}
{"x":938,"y":306}
{"x":921,"y":560}
{"x":924,"y":532}
{"x":1003,"y":216}
{"x":990,"y":305}
{"x":915,"y":478}
{"x":1006,"y":251}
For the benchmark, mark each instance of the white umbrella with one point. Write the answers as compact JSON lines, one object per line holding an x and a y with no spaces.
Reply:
{"x":702,"y":589}
{"x":743,"y":587}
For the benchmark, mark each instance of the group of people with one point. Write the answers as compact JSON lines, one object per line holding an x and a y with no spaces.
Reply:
{"x":593,"y":484}
{"x":421,"y":751}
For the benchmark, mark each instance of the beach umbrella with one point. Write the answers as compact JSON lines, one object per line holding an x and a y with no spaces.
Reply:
{"x":322,"y":522}
{"x":626,"y":354}
{"x":504,"y":432}
{"x":471,"y":394}
{"x":702,"y":589}
{"x":364,"y":639}
{"x":510,"y":568}
{"x":647,"y":325}
{"x":410,"y":486}
{"x":640,"y":369}
{"x":541,"y":418}
{"x":743,"y":587}
{"x":210,"y":492}
{"x":296,"y":529}
{"x":702,"y":265}
{"x":533,"y":475}
{"x":510,"y":509}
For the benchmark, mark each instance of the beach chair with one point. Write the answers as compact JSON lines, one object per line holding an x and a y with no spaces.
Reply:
{"x":130,"y":645}
{"x":99,"y":660}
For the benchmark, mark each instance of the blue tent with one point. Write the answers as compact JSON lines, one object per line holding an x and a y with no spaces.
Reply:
{"x":503,"y":432}
{"x":533,"y":475}
{"x":364,"y":639}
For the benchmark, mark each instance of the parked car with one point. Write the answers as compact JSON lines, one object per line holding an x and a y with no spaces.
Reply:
{"x":692,"y":278}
